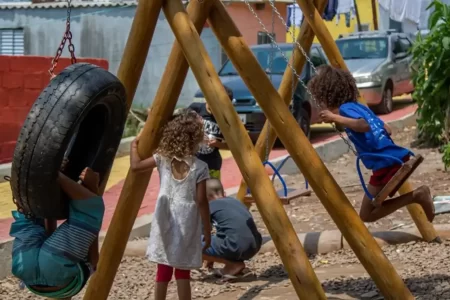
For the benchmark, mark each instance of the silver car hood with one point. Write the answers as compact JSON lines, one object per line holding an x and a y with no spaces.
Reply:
{"x":363,"y":66}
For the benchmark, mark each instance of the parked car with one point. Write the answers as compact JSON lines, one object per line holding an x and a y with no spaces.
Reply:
{"x":245,"y":104}
{"x":380,"y":63}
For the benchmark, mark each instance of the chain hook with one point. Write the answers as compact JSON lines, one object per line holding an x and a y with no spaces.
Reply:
{"x":66,"y":37}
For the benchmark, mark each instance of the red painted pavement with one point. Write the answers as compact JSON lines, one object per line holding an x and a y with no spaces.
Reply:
{"x":231,"y":177}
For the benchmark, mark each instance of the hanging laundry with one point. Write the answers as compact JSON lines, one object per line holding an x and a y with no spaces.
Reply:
{"x":330,"y":10}
{"x":346,"y":8}
{"x":398,"y":10}
{"x":386,"y":4}
{"x":294,"y":16}
{"x":413,"y":10}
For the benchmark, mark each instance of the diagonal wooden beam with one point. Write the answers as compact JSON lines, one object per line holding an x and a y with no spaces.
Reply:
{"x":313,"y":17}
{"x":287,"y":87}
{"x":326,"y":188}
{"x":286,"y":240}
{"x":163,"y":106}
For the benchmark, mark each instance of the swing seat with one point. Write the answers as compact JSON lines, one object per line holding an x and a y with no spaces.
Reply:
{"x":291,"y":194}
{"x":285,"y":194}
{"x":391,"y":188}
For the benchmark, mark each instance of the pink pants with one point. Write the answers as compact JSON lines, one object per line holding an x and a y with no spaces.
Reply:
{"x":164,"y":274}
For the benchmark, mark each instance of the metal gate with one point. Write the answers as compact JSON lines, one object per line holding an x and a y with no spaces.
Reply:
{"x":11,"y":42}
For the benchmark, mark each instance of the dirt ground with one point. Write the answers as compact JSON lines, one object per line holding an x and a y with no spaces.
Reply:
{"x":424,"y":267}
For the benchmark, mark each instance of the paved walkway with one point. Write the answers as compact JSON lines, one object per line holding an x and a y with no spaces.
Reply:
{"x":231,"y":177}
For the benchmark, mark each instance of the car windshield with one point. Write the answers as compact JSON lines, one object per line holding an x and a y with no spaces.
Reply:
{"x":363,"y":48}
{"x":264,"y":57}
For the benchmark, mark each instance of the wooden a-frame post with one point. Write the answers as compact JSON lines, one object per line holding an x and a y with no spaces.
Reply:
{"x":163,"y":106}
{"x":313,"y":17}
{"x":326,"y":188}
{"x":299,"y":269}
{"x":287,"y":87}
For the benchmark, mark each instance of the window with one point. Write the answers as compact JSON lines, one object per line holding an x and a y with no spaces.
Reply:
{"x":264,"y":38}
{"x":402,"y":45}
{"x":316,"y":58}
{"x":271,"y":60}
{"x":11,"y":41}
{"x":363,"y":48}
{"x":364,"y":27}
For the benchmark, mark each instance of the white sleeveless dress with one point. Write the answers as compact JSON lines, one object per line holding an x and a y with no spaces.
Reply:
{"x":175,"y":235}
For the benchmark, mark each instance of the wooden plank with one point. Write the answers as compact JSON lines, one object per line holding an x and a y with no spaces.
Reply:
{"x":292,"y":194}
{"x":306,"y":158}
{"x":298,"y":267}
{"x":398,"y":179}
{"x":135,"y":185}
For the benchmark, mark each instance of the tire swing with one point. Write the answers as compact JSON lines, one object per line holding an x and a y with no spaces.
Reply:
{"x":79,"y":116}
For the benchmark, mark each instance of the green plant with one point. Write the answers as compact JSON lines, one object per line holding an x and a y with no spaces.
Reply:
{"x":431,"y":77}
{"x":446,"y":155}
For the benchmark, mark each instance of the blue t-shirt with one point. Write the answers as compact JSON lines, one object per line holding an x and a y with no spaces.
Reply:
{"x":375,"y":141}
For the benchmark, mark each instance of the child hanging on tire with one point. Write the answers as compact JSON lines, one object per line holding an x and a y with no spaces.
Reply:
{"x":176,"y":235}
{"x":209,"y":151}
{"x":336,"y":90}
{"x":58,"y":265}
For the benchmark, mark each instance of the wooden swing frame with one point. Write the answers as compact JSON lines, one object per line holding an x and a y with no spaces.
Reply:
{"x":189,"y":48}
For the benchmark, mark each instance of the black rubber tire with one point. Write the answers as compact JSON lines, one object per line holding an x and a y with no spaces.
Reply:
{"x":85,"y":107}
{"x":386,"y":105}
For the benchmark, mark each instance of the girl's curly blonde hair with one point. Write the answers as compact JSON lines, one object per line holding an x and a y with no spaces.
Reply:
{"x":182,"y":135}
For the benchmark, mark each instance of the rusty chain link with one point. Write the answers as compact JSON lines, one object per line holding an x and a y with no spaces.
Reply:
{"x":66,"y":37}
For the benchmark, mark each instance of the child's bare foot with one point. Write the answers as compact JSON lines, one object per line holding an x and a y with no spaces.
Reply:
{"x":423,"y":196}
{"x":90,"y":179}
{"x":232,"y":268}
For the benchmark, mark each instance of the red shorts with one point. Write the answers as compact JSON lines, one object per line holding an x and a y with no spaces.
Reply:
{"x":382,"y":176}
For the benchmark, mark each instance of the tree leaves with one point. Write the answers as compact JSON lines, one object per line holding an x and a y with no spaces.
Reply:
{"x":431,"y":78}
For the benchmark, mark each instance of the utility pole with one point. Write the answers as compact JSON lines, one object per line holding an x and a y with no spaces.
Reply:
{"x":374,"y":15}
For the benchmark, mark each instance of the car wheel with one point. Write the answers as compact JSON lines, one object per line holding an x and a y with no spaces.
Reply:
{"x":387,"y":104}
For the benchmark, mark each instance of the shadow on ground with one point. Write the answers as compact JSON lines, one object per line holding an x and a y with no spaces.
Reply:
{"x":426,"y":287}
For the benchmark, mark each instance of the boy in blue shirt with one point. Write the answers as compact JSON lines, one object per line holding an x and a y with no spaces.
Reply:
{"x":58,"y":265}
{"x":336,"y":90}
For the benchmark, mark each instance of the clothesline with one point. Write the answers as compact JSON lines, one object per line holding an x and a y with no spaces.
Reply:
{"x":334,"y":9}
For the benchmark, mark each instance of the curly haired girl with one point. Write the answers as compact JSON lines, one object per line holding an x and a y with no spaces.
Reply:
{"x":336,"y":91}
{"x":176,"y":234}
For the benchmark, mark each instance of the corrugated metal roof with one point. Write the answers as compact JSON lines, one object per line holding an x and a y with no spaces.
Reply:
{"x":84,"y":4}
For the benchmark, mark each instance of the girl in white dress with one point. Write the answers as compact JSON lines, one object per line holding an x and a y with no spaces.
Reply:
{"x":176,"y":234}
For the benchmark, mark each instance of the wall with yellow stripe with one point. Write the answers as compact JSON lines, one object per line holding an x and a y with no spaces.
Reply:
{"x":365,"y":14}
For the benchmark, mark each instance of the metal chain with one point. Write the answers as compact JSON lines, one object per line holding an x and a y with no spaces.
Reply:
{"x":293,"y":37}
{"x":66,"y":37}
{"x":347,"y":142}
{"x":293,"y":24}
{"x":270,"y":76}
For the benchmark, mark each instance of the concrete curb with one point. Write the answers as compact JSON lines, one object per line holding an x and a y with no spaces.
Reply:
{"x":323,"y":242}
{"x":315,"y":242}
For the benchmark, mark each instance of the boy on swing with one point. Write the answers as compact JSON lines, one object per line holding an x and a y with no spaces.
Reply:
{"x":58,"y":265}
{"x":336,"y":90}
